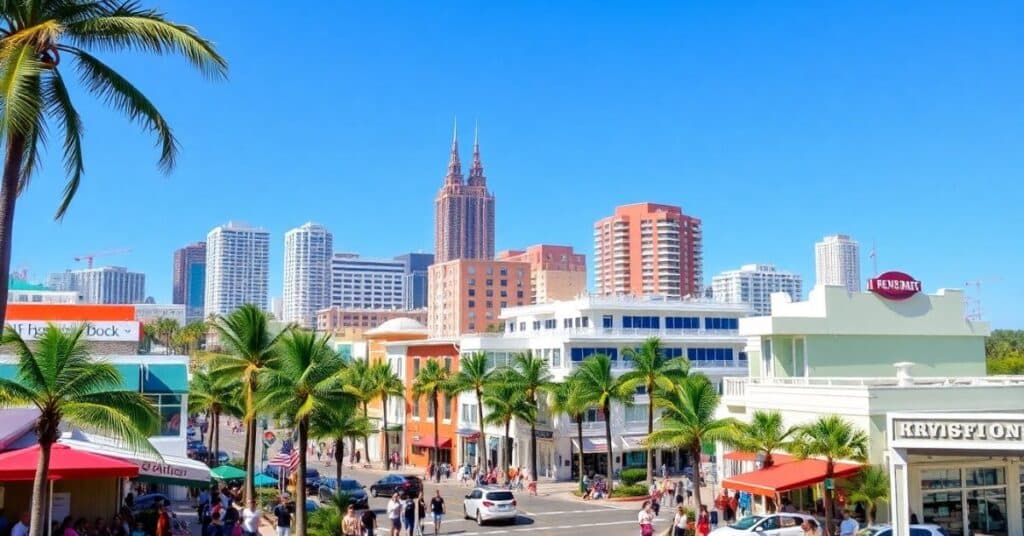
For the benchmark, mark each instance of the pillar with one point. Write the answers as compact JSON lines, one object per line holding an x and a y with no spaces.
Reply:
{"x":899,"y":492}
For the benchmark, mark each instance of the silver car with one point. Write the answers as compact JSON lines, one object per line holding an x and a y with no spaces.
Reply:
{"x":768,"y":525}
{"x":489,"y":504}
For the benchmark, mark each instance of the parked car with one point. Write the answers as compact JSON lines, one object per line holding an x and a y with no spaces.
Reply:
{"x":222,"y":457}
{"x":490,"y":504}
{"x":915,"y":530}
{"x":769,"y":525}
{"x":192,"y":433}
{"x":196,"y":450}
{"x":391,"y":484}
{"x":149,"y":502}
{"x":355,"y":491}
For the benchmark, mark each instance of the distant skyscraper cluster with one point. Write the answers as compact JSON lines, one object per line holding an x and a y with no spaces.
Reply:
{"x":837,"y":262}
{"x":754,"y":284}
{"x":464,"y":211}
{"x":237,"y":268}
{"x":189,"y":279}
{"x":103,"y":285}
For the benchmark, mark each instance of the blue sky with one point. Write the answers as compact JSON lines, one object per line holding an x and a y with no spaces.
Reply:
{"x":776,"y":123}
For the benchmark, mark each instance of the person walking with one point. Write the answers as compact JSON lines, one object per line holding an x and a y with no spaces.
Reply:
{"x":284,"y":517}
{"x":810,"y":528}
{"x":703,"y":522}
{"x":216,"y":527}
{"x":163,"y":521}
{"x":21,"y":527}
{"x":437,"y":511}
{"x":230,"y":518}
{"x":369,"y":522}
{"x":849,"y":526}
{"x":350,"y":524}
{"x":680,"y":523}
{"x":394,"y":511}
{"x":646,"y":519}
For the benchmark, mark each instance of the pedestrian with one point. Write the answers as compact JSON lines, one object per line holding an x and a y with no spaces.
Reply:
{"x":421,"y":510}
{"x":703,"y":522}
{"x":849,"y":525}
{"x":216,"y":527}
{"x":163,"y":521}
{"x":437,"y":510}
{"x":350,"y":524}
{"x":251,"y":519}
{"x":284,"y":517}
{"x":646,"y":519}
{"x":394,"y":511}
{"x":369,"y":521}
{"x":722,"y":505}
{"x":664,"y":471}
{"x":99,"y":527}
{"x":409,"y":514}
{"x":230,"y":518}
{"x":810,"y":527}
{"x":533,"y":487}
{"x":21,"y":527}
{"x":359,"y":456}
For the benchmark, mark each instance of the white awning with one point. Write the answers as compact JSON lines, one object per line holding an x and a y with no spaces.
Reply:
{"x":633,"y":442}
{"x":592,"y":445}
{"x":172,"y":470}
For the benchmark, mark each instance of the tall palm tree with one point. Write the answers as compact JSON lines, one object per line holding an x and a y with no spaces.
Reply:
{"x":531,"y":374}
{"x":657,"y":374}
{"x":506,"y":402}
{"x":599,"y":388}
{"x":432,"y":381}
{"x":563,"y":398}
{"x":34,"y":36}
{"x":215,"y":397}
{"x":475,"y":376}
{"x":385,"y":384}
{"x":833,"y":438}
{"x":58,"y":377}
{"x":251,"y":348}
{"x":764,"y":433}
{"x":688,"y":421}
{"x":165,"y":329}
{"x":358,"y":381}
{"x":337,"y":423}
{"x":303,"y":382}
{"x":870,"y":488}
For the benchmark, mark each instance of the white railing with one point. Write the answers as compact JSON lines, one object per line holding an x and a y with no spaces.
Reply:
{"x":615,"y":332}
{"x":590,"y":426}
{"x":623,"y":364}
{"x":734,"y":387}
{"x":737,"y":386}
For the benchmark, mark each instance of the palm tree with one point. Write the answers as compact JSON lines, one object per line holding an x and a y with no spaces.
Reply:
{"x":215,"y":397}
{"x":563,"y":398}
{"x":384,"y":384}
{"x":251,"y":349}
{"x":506,"y":402}
{"x":432,"y":381}
{"x":598,"y":388}
{"x":474,"y":376}
{"x":531,"y":374}
{"x":688,"y":421}
{"x":358,"y":379}
{"x":833,"y":438}
{"x":58,"y":377}
{"x":337,"y":423}
{"x":303,"y":382}
{"x":870,"y":488}
{"x":164,"y":330}
{"x":764,"y":433}
{"x":34,"y":36}
{"x":657,"y":374}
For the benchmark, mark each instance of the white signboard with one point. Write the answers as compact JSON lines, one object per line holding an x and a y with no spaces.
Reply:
{"x":166,"y":470}
{"x":61,"y":508}
{"x":994,"y":431}
{"x":102,"y":331}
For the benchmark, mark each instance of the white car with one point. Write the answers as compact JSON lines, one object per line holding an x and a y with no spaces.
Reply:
{"x":915,"y":530}
{"x":489,"y":504}
{"x":769,"y":525}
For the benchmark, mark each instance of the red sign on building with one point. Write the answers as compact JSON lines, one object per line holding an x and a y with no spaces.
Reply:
{"x":894,"y":285}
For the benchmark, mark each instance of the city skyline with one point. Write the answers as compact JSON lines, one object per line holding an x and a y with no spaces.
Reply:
{"x":918,"y":106}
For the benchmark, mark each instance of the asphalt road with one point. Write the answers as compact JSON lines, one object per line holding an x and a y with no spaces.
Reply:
{"x":554,"y":511}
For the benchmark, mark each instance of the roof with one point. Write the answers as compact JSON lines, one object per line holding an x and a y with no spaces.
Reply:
{"x":21,"y":284}
{"x":399,"y":325}
{"x":787,"y":475}
{"x":15,"y":422}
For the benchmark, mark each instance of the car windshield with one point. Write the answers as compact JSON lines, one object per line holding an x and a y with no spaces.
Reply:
{"x":746,"y":523}
{"x":500,"y":495}
{"x":350,"y":484}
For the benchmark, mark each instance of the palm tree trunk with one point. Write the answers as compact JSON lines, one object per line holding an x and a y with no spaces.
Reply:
{"x":533,"y":449}
{"x":384,"y":432}
{"x":366,"y":440}
{"x":339,"y":458}
{"x":210,"y":423}
{"x":482,"y":446}
{"x":437,"y":442}
{"x":608,"y":437}
{"x":300,"y":480}
{"x":215,"y":451}
{"x":504,"y":449}
{"x":250,"y":463}
{"x":650,"y":430}
{"x":8,"y":198}
{"x":695,"y":476}
{"x":579,"y":433}
{"x":38,"y":524}
{"x":829,"y":470}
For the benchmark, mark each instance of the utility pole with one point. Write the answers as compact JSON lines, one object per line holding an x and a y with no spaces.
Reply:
{"x":874,"y":260}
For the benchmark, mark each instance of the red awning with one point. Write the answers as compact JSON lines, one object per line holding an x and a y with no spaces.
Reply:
{"x":427,"y":442}
{"x":752,"y":456}
{"x":66,"y":463}
{"x":784,"y":476}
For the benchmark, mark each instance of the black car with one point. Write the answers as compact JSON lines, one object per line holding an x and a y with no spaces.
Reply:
{"x":391,"y":484}
{"x":355,"y":491}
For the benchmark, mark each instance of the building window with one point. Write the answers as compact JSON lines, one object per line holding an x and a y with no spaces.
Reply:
{"x":430,"y":408}
{"x":168,"y":407}
{"x":637,"y":413}
{"x":607,"y":321}
{"x":556,"y":357}
{"x":416,"y":408}
{"x":471,"y":303}
{"x":504,"y":282}
{"x":472,"y":292}
{"x":490,"y":282}
{"x":522,"y":326}
{"x":550,"y":324}
{"x":519,"y":294}
{"x":416,"y":366}
{"x":586,"y":321}
{"x":447,"y":408}
{"x":536,"y":325}
{"x":503,"y":271}
{"x":448,"y":364}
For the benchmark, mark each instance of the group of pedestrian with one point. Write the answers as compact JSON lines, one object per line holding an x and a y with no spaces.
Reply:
{"x":408,"y":512}
{"x":435,"y":473}
{"x":364,"y":524}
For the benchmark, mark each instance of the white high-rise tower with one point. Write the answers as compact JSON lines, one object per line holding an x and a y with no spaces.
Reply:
{"x":837,"y":262}
{"x":237,"y":268}
{"x":754,"y":284}
{"x":307,"y":273}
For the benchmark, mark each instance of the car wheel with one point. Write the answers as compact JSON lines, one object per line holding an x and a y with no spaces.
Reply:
{"x":479,"y":520}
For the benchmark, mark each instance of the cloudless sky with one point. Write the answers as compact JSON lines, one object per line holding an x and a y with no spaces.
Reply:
{"x":776,"y":123}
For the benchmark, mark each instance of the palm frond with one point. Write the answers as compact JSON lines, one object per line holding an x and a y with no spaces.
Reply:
{"x":15,"y":394}
{"x":125,"y":415}
{"x":37,"y":37}
{"x":19,"y":92}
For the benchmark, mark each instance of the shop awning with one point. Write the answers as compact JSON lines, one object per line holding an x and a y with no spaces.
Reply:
{"x":165,"y":378}
{"x":784,"y":476}
{"x":752,"y":457}
{"x":591,"y":445}
{"x":227,"y":472}
{"x":469,"y":433}
{"x":633,"y":442}
{"x":170,"y":470}
{"x":66,"y":463}
{"x":427,"y":442}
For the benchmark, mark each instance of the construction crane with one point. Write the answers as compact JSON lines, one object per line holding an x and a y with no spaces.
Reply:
{"x":88,"y":257}
{"x":976,"y":313}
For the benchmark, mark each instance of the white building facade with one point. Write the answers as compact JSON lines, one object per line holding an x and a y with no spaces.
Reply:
{"x":307,"y":273}
{"x":837,"y":262}
{"x":358,"y":283}
{"x":104,"y":285}
{"x":237,"y":268}
{"x":753,"y":284}
{"x":565,"y":334}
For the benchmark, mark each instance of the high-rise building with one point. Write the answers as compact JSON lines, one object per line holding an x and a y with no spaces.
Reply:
{"x":648,"y":249}
{"x":467,"y":296}
{"x":104,"y":285}
{"x":358,"y":283}
{"x":307,"y":273}
{"x":336,"y":320}
{"x":557,"y":273}
{"x":464,"y":211}
{"x":237,"y":268}
{"x":416,"y":278}
{"x":837,"y":262}
{"x":190,"y":279}
{"x":753,"y":284}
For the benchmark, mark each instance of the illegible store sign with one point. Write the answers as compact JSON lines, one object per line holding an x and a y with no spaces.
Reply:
{"x":104,"y":331}
{"x":894,"y":285}
{"x":963,"y":431}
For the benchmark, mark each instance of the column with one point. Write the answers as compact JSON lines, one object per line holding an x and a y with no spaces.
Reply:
{"x":899,"y":493}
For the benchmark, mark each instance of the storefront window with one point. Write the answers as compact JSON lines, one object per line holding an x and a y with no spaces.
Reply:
{"x":985,"y":476}
{"x":981,"y":493}
{"x":169,"y":409}
{"x":986,"y":511}
{"x":944,"y":509}
{"x":940,"y":478}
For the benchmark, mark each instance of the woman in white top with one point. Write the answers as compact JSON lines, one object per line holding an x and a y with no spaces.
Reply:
{"x":680,"y":522}
{"x":646,"y":519}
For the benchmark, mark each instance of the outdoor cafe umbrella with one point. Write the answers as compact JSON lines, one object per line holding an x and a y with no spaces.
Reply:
{"x":264,"y":481}
{"x":227,"y":472}
{"x":66,"y":463}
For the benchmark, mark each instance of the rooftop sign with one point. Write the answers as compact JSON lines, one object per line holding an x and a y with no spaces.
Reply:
{"x":894,"y":285}
{"x":108,"y":331}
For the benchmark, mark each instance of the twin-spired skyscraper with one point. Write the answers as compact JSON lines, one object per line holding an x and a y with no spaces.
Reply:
{"x":464,"y":211}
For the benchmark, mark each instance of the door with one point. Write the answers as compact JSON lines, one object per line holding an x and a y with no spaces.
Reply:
{"x":473,"y":502}
{"x":768,"y":527}
{"x":790,"y":526}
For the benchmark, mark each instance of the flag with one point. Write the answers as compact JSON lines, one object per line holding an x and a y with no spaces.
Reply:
{"x":293,"y":461}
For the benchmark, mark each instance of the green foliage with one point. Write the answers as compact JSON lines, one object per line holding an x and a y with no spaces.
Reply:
{"x":1004,"y":352}
{"x":325,"y":522}
{"x":764,"y":433}
{"x":870,"y":488}
{"x":632,"y":476}
{"x":632,"y":490}
{"x":266,"y":498}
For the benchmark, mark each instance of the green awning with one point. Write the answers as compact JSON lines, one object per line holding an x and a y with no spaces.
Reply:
{"x":9,"y":372}
{"x":130,"y":373}
{"x":165,"y":378}
{"x":227,"y":472}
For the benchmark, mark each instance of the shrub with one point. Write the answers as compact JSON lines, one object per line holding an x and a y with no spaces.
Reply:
{"x":632,"y":476}
{"x":266,"y":498}
{"x":635,"y":490}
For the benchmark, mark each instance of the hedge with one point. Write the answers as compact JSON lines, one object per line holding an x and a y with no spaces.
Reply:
{"x":632,"y":476}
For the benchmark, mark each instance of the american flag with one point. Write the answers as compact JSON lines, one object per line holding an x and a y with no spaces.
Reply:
{"x":290,"y":460}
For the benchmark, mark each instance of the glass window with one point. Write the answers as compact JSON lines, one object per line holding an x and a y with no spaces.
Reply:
{"x":556,"y":357}
{"x":607,"y":321}
{"x":416,"y":407}
{"x":447,"y":408}
{"x":169,"y":409}
{"x":985,"y":476}
{"x":943,"y":509}
{"x":940,"y":478}
{"x":636,"y":413}
{"x":430,"y":408}
{"x":986,"y":511}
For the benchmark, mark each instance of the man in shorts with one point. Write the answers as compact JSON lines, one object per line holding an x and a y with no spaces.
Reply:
{"x":394,"y":511}
{"x":437,"y":510}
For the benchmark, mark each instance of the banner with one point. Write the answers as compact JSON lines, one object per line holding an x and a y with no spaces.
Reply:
{"x":101,"y":331}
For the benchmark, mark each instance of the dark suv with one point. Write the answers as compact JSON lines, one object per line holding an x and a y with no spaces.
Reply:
{"x":391,"y":484}
{"x":355,"y":491}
